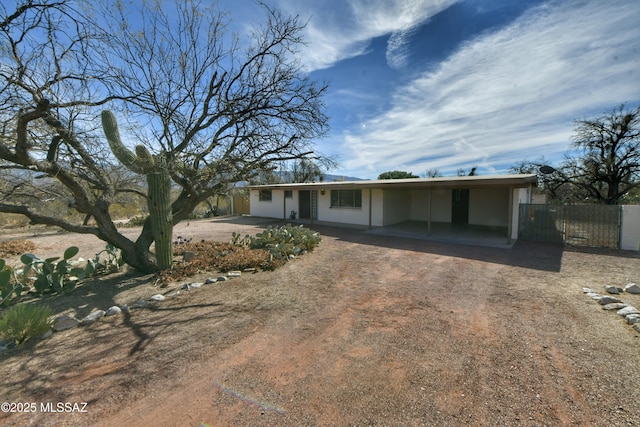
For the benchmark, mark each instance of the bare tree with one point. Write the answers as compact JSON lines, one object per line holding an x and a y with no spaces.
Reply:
{"x":605,"y":164}
{"x":216,"y":108}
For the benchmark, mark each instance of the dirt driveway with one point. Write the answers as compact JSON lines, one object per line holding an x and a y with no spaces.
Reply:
{"x":366,"y":330}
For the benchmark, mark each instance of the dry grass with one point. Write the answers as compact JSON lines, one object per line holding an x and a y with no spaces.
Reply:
{"x":16,"y":247}
{"x":218,"y":256}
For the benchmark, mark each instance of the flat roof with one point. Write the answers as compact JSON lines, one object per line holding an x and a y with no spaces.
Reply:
{"x":514,"y":180}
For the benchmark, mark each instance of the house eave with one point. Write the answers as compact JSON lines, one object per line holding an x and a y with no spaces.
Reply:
{"x":513,"y":181}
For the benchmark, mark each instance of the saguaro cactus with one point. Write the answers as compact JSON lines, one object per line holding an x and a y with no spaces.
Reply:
{"x":159,"y":187}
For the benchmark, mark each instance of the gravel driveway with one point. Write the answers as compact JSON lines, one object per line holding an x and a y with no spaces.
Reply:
{"x":366,"y":330}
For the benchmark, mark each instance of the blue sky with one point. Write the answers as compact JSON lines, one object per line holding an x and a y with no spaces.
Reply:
{"x":445,"y":84}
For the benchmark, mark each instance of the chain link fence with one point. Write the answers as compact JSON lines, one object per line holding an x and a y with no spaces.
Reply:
{"x":579,"y":225}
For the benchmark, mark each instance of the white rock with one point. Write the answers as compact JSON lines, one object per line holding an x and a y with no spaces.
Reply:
{"x":157,"y":297}
{"x":195,"y":285}
{"x":222,"y":279}
{"x":633,"y":318}
{"x":92,"y":317}
{"x":636,"y":326}
{"x":47,"y":334}
{"x":210,"y":280}
{"x":594,"y":296}
{"x":65,"y":322}
{"x":234,"y":274}
{"x":632,"y":288}
{"x":588,"y":291}
{"x":113,"y":310}
{"x":628,"y":310}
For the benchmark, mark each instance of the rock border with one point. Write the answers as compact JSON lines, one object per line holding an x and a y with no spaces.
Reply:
{"x":610,"y":303}
{"x":66,"y":321}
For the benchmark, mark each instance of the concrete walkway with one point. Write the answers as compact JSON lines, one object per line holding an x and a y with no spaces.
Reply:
{"x":495,"y":237}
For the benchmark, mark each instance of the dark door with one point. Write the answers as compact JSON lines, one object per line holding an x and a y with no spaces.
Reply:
{"x":460,"y":206}
{"x":304,"y":204}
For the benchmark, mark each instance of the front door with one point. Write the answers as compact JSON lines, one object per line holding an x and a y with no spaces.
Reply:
{"x":304,"y":204}
{"x":460,"y":206}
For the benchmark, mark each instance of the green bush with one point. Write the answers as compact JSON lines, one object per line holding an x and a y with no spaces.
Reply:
{"x":281,"y":241}
{"x":22,"y":322}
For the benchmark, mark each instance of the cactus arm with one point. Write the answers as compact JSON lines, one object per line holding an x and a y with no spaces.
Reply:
{"x":122,"y":153}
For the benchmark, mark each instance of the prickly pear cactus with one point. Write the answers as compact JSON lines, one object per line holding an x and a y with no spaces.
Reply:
{"x":159,"y":183}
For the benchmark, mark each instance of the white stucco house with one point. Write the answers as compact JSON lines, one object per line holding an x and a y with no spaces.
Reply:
{"x":481,"y":201}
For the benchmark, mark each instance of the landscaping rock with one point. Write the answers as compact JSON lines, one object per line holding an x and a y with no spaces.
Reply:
{"x":188,"y":256}
{"x":195,"y":285}
{"x":594,"y":296}
{"x":632,"y":288}
{"x":64,"y":322}
{"x":125,"y":308}
{"x":141,"y":304}
{"x":633,"y":318}
{"x":614,"y":306}
{"x":628,"y":310}
{"x":7,"y":345}
{"x":92,"y":317}
{"x":157,"y":297}
{"x":222,"y":279}
{"x":588,"y":291}
{"x":47,"y":334}
{"x":612,"y":290}
{"x":210,"y":280}
{"x":186,"y":287}
{"x":113,"y":310}
{"x":234,"y":274}
{"x":636,"y":326}
{"x":608,"y":300}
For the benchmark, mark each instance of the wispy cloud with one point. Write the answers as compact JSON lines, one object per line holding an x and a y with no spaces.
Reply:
{"x":509,"y":95}
{"x":345,"y":29}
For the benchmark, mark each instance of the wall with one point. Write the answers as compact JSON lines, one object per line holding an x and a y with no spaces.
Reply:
{"x":396,"y":206}
{"x":520,"y":195}
{"x":489,"y":206}
{"x":441,"y":205}
{"x":358,"y":216}
{"x":271,"y":209}
{"x":630,"y":230}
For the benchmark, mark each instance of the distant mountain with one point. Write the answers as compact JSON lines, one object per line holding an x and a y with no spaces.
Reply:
{"x":331,"y":178}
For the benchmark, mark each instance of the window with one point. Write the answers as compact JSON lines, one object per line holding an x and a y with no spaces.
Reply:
{"x":346,"y":198}
{"x":264,"y":195}
{"x":288,"y":194}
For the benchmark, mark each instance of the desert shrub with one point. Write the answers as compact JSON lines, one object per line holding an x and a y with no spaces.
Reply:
{"x":245,"y":258}
{"x":281,"y":241}
{"x":13,"y":220}
{"x":16,"y":247}
{"x":136,"y":221}
{"x":24,"y":321}
{"x":218,"y":256}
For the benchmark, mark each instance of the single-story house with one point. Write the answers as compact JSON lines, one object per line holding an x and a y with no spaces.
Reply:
{"x":490,"y":202}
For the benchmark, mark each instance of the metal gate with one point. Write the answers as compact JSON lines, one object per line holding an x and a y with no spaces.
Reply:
{"x":579,"y":225}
